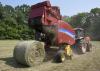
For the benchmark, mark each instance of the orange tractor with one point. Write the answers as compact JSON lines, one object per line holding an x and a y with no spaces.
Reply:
{"x":50,"y":30}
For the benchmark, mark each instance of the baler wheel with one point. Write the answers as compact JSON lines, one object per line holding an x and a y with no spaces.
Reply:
{"x":29,"y":53}
{"x":60,"y":56}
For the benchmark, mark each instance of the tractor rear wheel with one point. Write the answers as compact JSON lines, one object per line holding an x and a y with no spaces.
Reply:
{"x":29,"y":53}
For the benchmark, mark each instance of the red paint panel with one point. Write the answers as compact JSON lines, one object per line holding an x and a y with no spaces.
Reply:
{"x":41,"y":4}
{"x":63,"y":38}
{"x":65,"y":25}
{"x":36,"y":12}
{"x":51,"y":20}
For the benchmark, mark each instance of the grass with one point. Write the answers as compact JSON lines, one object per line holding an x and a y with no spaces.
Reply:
{"x":96,"y":43}
{"x":8,"y":43}
{"x":86,"y":62}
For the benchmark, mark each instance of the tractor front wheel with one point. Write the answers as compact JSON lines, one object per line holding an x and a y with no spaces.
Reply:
{"x":83,"y":49}
{"x":89,"y":47}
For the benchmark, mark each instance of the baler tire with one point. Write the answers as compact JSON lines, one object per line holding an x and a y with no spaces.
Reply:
{"x":60,"y":56}
{"x":29,"y":53}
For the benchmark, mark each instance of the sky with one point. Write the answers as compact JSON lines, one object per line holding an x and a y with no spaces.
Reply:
{"x":67,"y":7}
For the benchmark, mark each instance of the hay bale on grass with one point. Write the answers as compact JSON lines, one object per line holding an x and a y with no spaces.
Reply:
{"x":29,"y":53}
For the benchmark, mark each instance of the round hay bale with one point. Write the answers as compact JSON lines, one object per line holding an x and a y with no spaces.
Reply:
{"x":29,"y":53}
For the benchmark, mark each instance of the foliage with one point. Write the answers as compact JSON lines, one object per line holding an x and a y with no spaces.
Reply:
{"x":90,"y":22}
{"x":67,"y":18}
{"x":13,"y":22}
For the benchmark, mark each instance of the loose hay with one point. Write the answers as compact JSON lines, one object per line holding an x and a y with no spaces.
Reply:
{"x":29,"y":53}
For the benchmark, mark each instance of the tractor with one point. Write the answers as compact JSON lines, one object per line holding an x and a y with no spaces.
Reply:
{"x":50,"y":30}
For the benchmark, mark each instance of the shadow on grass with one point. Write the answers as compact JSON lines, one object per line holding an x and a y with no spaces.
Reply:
{"x":11,"y":61}
{"x":50,"y":53}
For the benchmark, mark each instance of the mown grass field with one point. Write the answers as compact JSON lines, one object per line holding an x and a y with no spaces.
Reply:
{"x":86,"y":62}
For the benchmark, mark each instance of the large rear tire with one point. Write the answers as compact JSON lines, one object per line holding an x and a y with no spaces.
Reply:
{"x":29,"y":53}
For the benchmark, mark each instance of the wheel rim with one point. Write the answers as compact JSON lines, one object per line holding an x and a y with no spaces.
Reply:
{"x":62,"y":57}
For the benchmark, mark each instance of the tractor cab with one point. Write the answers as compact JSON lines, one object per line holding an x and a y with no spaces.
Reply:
{"x":79,"y":33}
{"x":80,"y":43}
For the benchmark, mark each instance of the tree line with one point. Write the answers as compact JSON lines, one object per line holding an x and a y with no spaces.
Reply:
{"x":89,"y":21}
{"x":14,"y":22}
